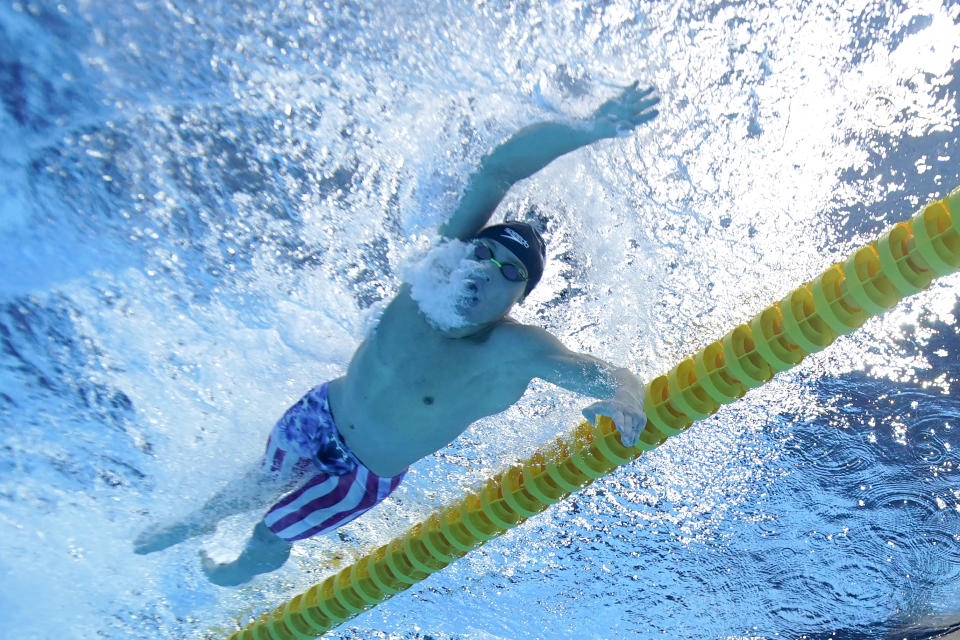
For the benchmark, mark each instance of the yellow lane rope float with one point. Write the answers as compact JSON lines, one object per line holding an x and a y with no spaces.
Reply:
{"x":901,"y":262}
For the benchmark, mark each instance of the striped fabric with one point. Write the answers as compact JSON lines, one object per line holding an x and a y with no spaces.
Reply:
{"x":326,"y":502}
{"x":338,"y":488}
{"x":284,"y":464}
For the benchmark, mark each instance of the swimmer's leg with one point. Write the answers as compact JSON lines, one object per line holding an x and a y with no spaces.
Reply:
{"x":264,"y":552}
{"x":252,"y":489}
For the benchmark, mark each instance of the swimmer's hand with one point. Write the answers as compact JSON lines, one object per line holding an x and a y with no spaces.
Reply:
{"x":620,"y":115}
{"x":627,"y":414}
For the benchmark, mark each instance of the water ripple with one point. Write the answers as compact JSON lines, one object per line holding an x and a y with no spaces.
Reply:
{"x":901,"y":495}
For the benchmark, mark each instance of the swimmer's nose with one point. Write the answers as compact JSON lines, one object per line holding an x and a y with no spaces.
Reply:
{"x":472,"y":287}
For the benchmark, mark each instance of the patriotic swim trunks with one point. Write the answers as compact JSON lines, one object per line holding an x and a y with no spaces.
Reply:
{"x":305,"y":443}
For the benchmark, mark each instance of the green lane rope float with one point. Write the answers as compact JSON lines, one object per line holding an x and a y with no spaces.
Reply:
{"x":902,"y":261}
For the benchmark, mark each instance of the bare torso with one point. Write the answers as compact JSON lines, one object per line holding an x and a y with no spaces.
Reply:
{"x":410,"y":390}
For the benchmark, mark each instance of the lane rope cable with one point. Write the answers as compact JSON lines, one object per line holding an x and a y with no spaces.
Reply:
{"x":901,"y":262}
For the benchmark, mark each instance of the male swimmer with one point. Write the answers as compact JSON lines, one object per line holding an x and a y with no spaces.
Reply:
{"x":425,"y":372}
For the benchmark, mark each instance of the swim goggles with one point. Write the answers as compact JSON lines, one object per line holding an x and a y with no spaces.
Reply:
{"x":510,"y":271}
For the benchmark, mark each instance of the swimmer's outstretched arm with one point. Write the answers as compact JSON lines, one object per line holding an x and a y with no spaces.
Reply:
{"x":536,"y":146}
{"x":619,"y":391}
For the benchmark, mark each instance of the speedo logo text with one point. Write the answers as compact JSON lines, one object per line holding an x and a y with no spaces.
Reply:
{"x":510,"y":234}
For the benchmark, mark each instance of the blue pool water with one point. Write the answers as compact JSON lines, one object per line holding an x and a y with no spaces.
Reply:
{"x":205,"y":205}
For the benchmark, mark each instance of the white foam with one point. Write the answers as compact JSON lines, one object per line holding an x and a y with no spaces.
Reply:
{"x":438,"y":271}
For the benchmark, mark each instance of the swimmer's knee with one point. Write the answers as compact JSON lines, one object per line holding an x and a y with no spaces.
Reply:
{"x":265,"y":537}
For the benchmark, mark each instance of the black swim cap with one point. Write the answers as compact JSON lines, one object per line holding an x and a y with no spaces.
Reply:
{"x":525,"y":242}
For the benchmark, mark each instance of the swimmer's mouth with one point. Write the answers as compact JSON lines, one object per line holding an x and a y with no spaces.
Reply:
{"x":469,"y":299}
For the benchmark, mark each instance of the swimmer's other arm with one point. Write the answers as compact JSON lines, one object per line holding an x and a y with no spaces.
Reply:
{"x":536,"y":146}
{"x":620,"y":392}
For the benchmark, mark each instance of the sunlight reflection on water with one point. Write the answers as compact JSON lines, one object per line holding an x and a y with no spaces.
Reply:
{"x":209,"y":204}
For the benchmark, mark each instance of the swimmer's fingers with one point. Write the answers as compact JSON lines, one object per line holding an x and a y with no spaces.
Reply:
{"x":632,"y":429}
{"x":591,"y":414}
{"x":621,"y":106}
{"x":629,"y":422}
{"x":640,"y":99}
{"x":597,"y":409}
{"x":627,"y":426}
{"x":643,"y":107}
{"x":643,"y":116}
{"x":618,"y":116}
{"x":606,"y":408}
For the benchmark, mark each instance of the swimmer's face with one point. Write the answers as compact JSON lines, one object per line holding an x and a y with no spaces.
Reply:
{"x":491,"y":294}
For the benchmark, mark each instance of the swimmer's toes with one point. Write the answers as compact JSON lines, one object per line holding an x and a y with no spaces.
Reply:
{"x":223,"y":575}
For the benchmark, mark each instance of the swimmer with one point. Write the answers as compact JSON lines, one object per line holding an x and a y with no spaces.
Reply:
{"x":425,"y":372}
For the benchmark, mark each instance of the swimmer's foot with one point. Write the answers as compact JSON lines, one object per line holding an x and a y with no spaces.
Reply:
{"x":158,"y":537}
{"x":224,"y":574}
{"x":264,"y":552}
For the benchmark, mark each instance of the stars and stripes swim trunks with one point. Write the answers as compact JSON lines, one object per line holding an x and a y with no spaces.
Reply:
{"x":305,"y":443}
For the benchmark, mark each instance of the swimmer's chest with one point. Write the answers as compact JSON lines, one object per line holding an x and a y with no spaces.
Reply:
{"x":423,"y":366}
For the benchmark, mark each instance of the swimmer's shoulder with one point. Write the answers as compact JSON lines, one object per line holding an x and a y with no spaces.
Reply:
{"x":525,"y":340}
{"x":401,"y":313}
{"x":534,"y":352}
{"x":402,"y":303}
